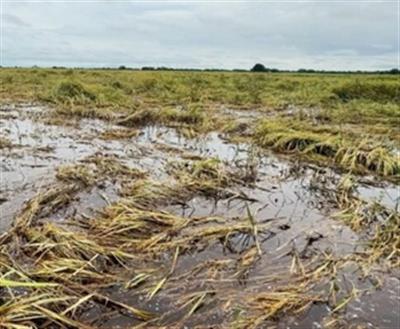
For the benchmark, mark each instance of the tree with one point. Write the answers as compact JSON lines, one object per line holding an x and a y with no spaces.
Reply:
{"x":258,"y":68}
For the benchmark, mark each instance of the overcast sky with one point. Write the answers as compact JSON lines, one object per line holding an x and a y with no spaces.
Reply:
{"x":321,"y":35}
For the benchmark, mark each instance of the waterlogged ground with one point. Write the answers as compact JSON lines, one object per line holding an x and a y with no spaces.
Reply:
{"x":290,"y":234}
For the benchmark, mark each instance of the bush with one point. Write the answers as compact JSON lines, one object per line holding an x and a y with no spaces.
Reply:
{"x":258,"y":68}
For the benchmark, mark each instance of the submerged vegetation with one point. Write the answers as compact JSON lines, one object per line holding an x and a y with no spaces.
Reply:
{"x":198,"y":226}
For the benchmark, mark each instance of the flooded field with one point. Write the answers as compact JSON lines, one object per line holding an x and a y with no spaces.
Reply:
{"x":110,"y":225}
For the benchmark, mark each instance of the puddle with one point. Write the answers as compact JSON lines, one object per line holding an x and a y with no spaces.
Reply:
{"x":388,"y":195}
{"x":211,"y":145}
{"x":38,"y":150}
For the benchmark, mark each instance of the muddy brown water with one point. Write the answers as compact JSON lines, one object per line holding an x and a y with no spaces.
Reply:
{"x":296,"y":210}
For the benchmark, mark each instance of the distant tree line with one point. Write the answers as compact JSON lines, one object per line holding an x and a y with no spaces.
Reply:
{"x":261,"y":68}
{"x":258,"y":68}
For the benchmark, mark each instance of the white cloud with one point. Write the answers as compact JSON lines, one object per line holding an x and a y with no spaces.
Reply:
{"x":230,"y":35}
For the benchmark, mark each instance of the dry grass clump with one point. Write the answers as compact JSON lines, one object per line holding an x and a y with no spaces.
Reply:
{"x":376,"y":159}
{"x":141,"y":117}
{"x":97,"y":168}
{"x":360,"y":215}
{"x":119,"y":134}
{"x":137,"y":230}
{"x":68,"y":90}
{"x":94,"y":271}
{"x":209,"y":169}
{"x":43,"y":204}
{"x":84,"y":111}
{"x":380,"y":224}
{"x":209,"y":186}
{"x":31,"y":310}
{"x":286,"y":136}
{"x":76,"y":173}
{"x":58,"y":119}
{"x":193,"y":117}
{"x":241,"y":128}
{"x":73,"y":98}
{"x":190,"y":115}
{"x":294,"y":291}
{"x":111,"y":165}
{"x":77,"y":97}
{"x":267,"y":306}
{"x":5,"y":143}
{"x":52,"y":242}
{"x":358,"y":156}
{"x":41,"y":298}
{"x":211,"y":177}
{"x":386,"y":240}
{"x":151,"y":194}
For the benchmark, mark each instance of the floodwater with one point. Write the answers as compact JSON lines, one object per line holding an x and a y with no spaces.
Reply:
{"x":296,"y":200}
